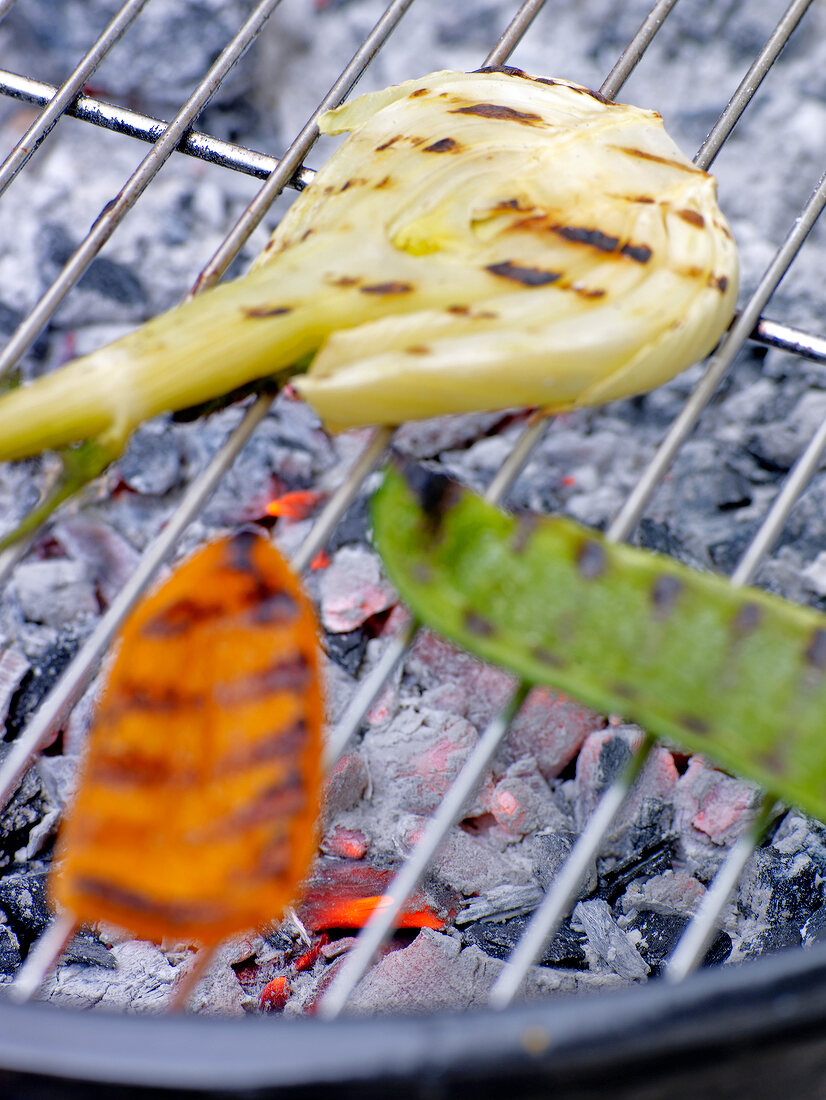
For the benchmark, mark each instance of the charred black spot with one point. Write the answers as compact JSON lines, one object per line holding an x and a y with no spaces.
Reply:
{"x":546,"y":657}
{"x":587,"y":291}
{"x":278,"y":801}
{"x":446,"y":145}
{"x":527,"y":276}
{"x":591,"y":559}
{"x":582,"y":235}
{"x":460,"y":311}
{"x":639,"y":252}
{"x":641,"y":198}
{"x":179,"y":617}
{"x":816,"y":650}
{"x":291,"y":674}
{"x":387,"y":288}
{"x":169,"y":700}
{"x":747,"y":619}
{"x":695,"y":724}
{"x":508,"y":70}
{"x":665,"y":592}
{"x":172,"y":912}
{"x":266,"y":311}
{"x":477,"y":624}
{"x":135,"y":769}
{"x":384,"y":183}
{"x":718,"y":282}
{"x":693,"y":217}
{"x":240,"y":551}
{"x":631,"y":151}
{"x":388,"y":144}
{"x":598,"y":96}
{"x":434,"y":492}
{"x":278,"y":744}
{"x":343,"y":281}
{"x":418,"y":349}
{"x":512,"y":204}
{"x":498,"y":111}
{"x":418,"y":92}
{"x":273,"y":608}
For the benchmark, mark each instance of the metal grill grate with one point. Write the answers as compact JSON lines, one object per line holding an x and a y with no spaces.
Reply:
{"x":750,"y":324}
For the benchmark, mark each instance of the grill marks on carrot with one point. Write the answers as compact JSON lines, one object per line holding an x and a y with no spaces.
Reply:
{"x":195,"y":816}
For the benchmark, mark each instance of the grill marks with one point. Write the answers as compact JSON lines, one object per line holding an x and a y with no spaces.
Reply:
{"x":195,"y":817}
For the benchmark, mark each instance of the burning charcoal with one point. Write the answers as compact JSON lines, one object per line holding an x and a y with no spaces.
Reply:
{"x":353,"y":590}
{"x":415,"y":761}
{"x":56,"y":592}
{"x":22,"y":814}
{"x":551,"y":728}
{"x":108,"y":280}
{"x":343,"y":893}
{"x":345,"y":843}
{"x":648,"y":861}
{"x":607,"y":945}
{"x":501,"y":903}
{"x":346,"y":784}
{"x":9,"y":949}
{"x":274,"y":995}
{"x":499,"y":940}
{"x":710,"y":811}
{"x":152,"y":463}
{"x":13,"y":667}
{"x":347,"y":649}
{"x":660,"y":935}
{"x":550,"y":850}
{"x":37,"y":683}
{"x":450,"y":696}
{"x":521,"y":800}
{"x":670,"y":894}
{"x":433,"y":662}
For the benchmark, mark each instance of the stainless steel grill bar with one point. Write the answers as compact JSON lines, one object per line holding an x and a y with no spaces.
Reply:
{"x":120,"y":120}
{"x":68,"y":91}
{"x":106,"y":224}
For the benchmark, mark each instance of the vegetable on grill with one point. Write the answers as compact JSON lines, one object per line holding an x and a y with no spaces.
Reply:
{"x":733,"y":673}
{"x":479,"y":241}
{"x":195,"y":813}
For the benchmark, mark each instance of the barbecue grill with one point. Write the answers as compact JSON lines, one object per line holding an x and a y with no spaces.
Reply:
{"x":723,"y":1028}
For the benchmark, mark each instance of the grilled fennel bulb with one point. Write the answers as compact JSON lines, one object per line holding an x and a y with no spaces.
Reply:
{"x":479,"y":241}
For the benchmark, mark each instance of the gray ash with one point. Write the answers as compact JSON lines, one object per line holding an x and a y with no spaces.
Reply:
{"x":683,"y":816}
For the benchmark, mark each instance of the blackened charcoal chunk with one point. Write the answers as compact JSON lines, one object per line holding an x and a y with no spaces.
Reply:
{"x":499,"y":939}
{"x":767,"y":941}
{"x":152,"y":462}
{"x":9,"y":950}
{"x":347,"y":650}
{"x":23,"y":812}
{"x":550,"y":850}
{"x":648,"y":861}
{"x":660,"y":934}
{"x":23,"y":900}
{"x":352,"y":528}
{"x":814,"y":930}
{"x":780,"y":889}
{"x":10,"y":318}
{"x":87,"y":949}
{"x":36,"y":684}
{"x":104,"y":276}
{"x":650,"y":825}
